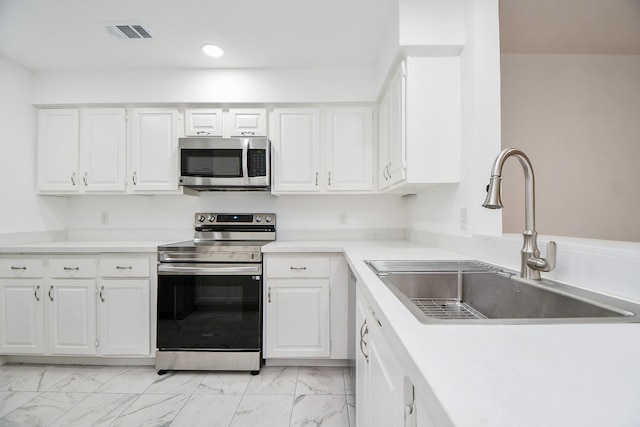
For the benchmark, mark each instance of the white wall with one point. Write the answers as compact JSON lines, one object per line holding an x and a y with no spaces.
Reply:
{"x":299,"y":216}
{"x":22,"y":211}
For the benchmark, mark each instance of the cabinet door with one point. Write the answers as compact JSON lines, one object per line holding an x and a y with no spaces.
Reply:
{"x":349,"y":148}
{"x":397,"y":136}
{"x":123,"y":317}
{"x":297,"y":318}
{"x":203,"y":122}
{"x":103,"y":145}
{"x":362,"y":364}
{"x":296,"y":148}
{"x":385,"y":391}
{"x":21,"y":316}
{"x":71,"y":316}
{"x":384,"y":152}
{"x":153,"y":150}
{"x":58,"y":135}
{"x":248,"y":122}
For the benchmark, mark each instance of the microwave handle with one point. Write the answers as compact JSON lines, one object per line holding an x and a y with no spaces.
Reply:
{"x":245,"y":159}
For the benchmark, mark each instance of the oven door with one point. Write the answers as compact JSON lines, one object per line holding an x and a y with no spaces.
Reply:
{"x":209,"y":307}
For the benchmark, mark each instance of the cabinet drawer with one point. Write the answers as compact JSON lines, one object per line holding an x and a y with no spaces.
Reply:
{"x":73,"y":267}
{"x":21,"y":267}
{"x":298,"y":267}
{"x":124,"y":267}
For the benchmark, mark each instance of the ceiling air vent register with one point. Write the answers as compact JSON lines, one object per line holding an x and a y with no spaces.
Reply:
{"x":127,"y":31}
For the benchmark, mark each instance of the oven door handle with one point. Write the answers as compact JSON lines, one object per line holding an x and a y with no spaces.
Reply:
{"x":211,"y":269}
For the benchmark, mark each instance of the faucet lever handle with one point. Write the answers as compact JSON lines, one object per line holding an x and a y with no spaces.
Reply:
{"x":545,"y":264}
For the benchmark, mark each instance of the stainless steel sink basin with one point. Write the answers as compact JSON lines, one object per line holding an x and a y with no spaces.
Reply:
{"x":475,"y":292}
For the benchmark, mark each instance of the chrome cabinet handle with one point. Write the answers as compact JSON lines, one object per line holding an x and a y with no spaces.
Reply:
{"x":120,"y":267}
{"x":316,"y":179}
{"x":247,"y":133}
{"x":135,"y":178}
{"x":13,"y":267}
{"x":202,"y":132}
{"x":298,"y":268}
{"x":71,"y":268}
{"x":329,"y":179}
{"x":84,"y":179}
{"x":101,"y":291}
{"x":35,"y":293}
{"x":50,"y":289}
{"x":364,"y":330}
{"x":269,"y":294}
{"x":73,"y":179}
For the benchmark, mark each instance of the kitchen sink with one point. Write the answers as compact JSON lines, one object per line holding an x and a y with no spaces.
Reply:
{"x":480,"y":293}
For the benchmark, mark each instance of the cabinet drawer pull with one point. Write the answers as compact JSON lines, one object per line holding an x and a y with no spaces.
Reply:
{"x":298,"y":268}
{"x":120,"y":267}
{"x":269,"y":294}
{"x":13,"y":267}
{"x":329,"y":178}
{"x":316,"y":179}
{"x":134,"y":178}
{"x":73,"y":179}
{"x":71,"y":268}
{"x":35,"y":293}
{"x":202,"y":132}
{"x":364,"y":330}
{"x":84,"y":179}
{"x":101,"y":291}
{"x":50,"y":296}
{"x":247,"y":133}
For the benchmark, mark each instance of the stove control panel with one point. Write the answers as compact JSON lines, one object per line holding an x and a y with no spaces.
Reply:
{"x":226,"y":218}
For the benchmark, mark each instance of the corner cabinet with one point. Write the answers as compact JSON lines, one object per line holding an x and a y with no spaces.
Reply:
{"x":81,"y":305}
{"x":108,"y":151}
{"x":328,"y":150}
{"x":420,"y":125}
{"x":305,"y":306}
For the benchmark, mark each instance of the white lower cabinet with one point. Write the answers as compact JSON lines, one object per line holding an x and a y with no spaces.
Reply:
{"x":75,"y":305}
{"x":123,"y":317}
{"x":385,"y":396}
{"x":71,"y":323}
{"x":305,"y":306}
{"x":21,"y":316}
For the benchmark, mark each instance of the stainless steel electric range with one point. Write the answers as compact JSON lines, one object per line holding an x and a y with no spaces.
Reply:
{"x":210,"y":294}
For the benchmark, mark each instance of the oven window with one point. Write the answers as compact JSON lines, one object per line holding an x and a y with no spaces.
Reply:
{"x":209,"y":312}
{"x":211,"y":163}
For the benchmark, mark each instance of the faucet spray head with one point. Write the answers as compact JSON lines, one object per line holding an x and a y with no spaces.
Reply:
{"x":494,"y":199}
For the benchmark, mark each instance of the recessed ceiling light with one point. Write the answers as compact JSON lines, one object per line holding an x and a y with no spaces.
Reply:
{"x":212,"y":50}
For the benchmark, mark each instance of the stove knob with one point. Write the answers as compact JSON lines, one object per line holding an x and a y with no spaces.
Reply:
{"x":258,"y":218}
{"x":268,"y":218}
{"x":201,"y":218}
{"x":211,"y":218}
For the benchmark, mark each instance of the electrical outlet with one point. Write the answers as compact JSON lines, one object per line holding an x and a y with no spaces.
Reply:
{"x":342,"y":217}
{"x":104,"y":218}
{"x":463,"y":218}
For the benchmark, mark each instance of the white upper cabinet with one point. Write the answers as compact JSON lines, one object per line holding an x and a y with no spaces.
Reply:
{"x":420,"y":125}
{"x":153,"y":150}
{"x":58,"y":138}
{"x":103,"y":149}
{"x":349,"y":148}
{"x":247,"y":122}
{"x":307,"y":160}
{"x":203,"y":122}
{"x":295,"y":134}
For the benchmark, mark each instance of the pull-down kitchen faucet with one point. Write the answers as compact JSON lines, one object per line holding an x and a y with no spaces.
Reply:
{"x":531,"y":263}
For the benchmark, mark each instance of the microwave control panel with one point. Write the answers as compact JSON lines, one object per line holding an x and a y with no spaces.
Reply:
{"x":257,"y":162}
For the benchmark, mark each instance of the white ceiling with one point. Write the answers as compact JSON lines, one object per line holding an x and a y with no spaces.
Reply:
{"x":66,"y":35}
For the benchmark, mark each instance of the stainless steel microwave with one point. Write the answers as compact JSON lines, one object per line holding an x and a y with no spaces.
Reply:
{"x":225,"y":163}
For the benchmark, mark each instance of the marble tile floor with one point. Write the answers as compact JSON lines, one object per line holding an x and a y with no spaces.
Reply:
{"x":69,"y":396}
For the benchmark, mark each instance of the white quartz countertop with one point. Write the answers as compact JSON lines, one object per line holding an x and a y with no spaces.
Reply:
{"x":501,"y":375}
{"x":83,"y":246}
